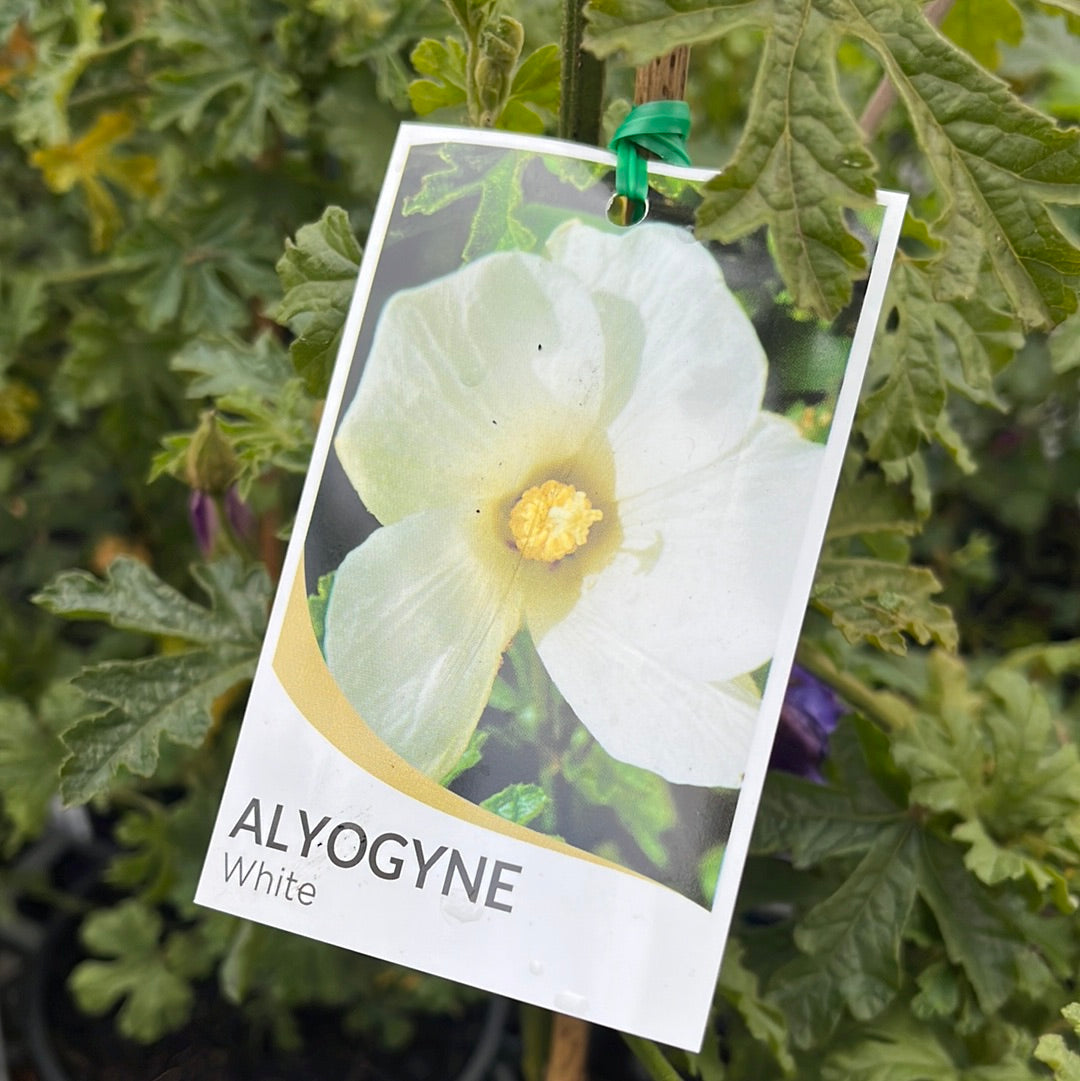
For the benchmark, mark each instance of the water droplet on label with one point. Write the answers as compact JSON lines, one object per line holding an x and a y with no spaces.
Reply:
{"x":536,"y":967}
{"x":568,"y":1002}
{"x":459,"y":909}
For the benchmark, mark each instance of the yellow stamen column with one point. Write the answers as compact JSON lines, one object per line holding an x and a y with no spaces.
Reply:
{"x":552,"y":520}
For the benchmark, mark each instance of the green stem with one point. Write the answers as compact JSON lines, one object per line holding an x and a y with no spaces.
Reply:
{"x":889,"y":710}
{"x":118,"y":44}
{"x":582,"y":80}
{"x":652,"y":1058}
{"x":95,"y":270}
{"x":535,"y":1037}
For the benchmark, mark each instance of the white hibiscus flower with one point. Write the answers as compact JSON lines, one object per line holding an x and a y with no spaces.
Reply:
{"x":573,"y":443}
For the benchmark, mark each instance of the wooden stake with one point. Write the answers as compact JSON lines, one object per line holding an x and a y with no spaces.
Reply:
{"x":569,"y":1049}
{"x":663,"y":79}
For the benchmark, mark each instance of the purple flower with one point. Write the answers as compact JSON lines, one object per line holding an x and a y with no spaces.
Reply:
{"x":205,"y":520}
{"x":212,"y":533}
{"x":807,"y":718}
{"x":240,"y":515}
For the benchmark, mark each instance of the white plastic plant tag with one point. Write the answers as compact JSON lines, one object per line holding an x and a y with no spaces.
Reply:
{"x":516,"y":703}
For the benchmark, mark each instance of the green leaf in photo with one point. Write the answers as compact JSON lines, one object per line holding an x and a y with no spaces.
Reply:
{"x":471,"y":756}
{"x":317,"y":273}
{"x":317,"y":603}
{"x":470,"y":172}
{"x":518,"y":803}
{"x":641,"y":800}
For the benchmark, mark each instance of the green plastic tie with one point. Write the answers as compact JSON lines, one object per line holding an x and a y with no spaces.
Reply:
{"x":657,"y":127}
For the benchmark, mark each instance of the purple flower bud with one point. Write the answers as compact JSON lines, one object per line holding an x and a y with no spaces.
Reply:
{"x":807,"y":719}
{"x":205,"y":523}
{"x":240,"y":515}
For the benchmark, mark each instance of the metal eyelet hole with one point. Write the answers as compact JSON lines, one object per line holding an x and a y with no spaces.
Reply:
{"x":624,"y":211}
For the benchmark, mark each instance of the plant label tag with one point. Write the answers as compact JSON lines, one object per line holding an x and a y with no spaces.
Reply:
{"x":524,"y":668}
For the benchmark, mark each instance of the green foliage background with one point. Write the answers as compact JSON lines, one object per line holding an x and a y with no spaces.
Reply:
{"x":911,"y":918}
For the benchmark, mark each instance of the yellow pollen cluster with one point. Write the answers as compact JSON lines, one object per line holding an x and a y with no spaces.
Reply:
{"x":551,"y":521}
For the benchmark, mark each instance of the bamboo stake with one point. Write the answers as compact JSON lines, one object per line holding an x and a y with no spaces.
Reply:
{"x":663,"y":79}
{"x":569,"y":1049}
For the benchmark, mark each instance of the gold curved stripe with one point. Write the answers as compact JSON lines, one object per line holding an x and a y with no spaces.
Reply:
{"x":299,"y":665}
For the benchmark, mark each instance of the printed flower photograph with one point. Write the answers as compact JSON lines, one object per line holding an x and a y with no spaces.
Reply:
{"x":583,"y":527}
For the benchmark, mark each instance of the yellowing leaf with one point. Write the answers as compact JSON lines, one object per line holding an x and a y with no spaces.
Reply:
{"x":16,"y":57}
{"x":88,"y":161}
{"x":18,"y":402}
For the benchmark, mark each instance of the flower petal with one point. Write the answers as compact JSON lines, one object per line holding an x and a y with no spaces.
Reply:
{"x":472,"y":381}
{"x":704,"y":570}
{"x":692,"y":372}
{"x":642,"y":711}
{"x":415,"y":630}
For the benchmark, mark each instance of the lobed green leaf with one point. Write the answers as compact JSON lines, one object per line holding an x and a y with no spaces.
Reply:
{"x":880,"y":602}
{"x":997,"y":162}
{"x":799,"y":165}
{"x":979,"y":937}
{"x":169,"y":696}
{"x":641,"y":29}
{"x":155,"y":998}
{"x":131,"y":597}
{"x":811,"y":822}
{"x":1051,"y":1048}
{"x":852,"y":942}
{"x":30,"y":757}
{"x":318,"y":273}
